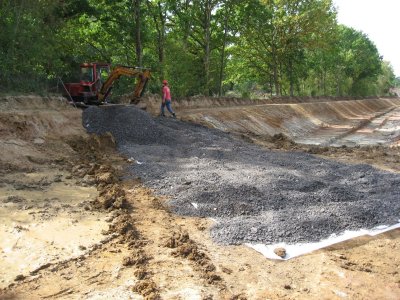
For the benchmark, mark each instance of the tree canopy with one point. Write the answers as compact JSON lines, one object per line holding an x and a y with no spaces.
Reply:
{"x":208,"y":47}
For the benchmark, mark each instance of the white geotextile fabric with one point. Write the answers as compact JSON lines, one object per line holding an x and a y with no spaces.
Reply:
{"x":301,"y":249}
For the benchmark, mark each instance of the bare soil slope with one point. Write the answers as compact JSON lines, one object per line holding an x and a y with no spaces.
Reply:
{"x":323,"y":122}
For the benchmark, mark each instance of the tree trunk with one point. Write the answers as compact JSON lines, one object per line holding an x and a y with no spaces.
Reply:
{"x":161,"y":40}
{"x":138,"y":42}
{"x":207,"y":42}
{"x":222,"y":62}
{"x":159,"y":18}
{"x":276,"y":81}
{"x":291,"y":78}
{"x":275,"y":72}
{"x":271,"y":85}
{"x":188,"y":23}
{"x":338,"y":91}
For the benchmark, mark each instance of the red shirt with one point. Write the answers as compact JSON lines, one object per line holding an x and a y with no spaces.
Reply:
{"x":166,"y":93}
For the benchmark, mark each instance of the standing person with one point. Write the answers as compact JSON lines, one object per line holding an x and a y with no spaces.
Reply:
{"x":166,"y":99}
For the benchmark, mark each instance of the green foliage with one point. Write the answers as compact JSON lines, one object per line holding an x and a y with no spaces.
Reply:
{"x":287,"y":47}
{"x":359,"y":60}
{"x":396,"y":83}
{"x":386,"y":80}
{"x":28,"y":44}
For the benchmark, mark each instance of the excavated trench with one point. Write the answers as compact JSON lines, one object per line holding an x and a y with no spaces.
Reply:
{"x":56,"y":242}
{"x":254,"y":195}
{"x":325,"y":123}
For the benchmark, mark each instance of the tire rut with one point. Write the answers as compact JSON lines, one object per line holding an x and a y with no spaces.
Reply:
{"x":176,"y":254}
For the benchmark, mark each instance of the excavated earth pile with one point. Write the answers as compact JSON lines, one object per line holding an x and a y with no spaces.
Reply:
{"x":253,"y":194}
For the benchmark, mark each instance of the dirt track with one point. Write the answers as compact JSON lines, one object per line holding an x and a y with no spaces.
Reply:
{"x":147,"y":251}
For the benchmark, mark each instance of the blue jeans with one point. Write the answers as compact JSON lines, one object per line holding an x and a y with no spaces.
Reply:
{"x":168,"y":105}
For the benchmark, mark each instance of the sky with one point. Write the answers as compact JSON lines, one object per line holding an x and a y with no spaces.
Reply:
{"x":379,"y":20}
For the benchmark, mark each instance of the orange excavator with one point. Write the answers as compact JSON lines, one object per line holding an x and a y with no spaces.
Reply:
{"x":97,"y":80}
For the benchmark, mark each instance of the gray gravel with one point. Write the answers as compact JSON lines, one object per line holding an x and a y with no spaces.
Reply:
{"x":255,"y":195}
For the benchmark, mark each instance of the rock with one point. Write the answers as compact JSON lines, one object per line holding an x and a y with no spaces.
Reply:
{"x":20,"y":228}
{"x":281,"y":252}
{"x":82,"y":247}
{"x":42,"y":267}
{"x":106,"y":177}
{"x":105,"y":201}
{"x":14,"y":199}
{"x":19,"y":277}
{"x":88,"y":179}
{"x":226,"y":270}
{"x":38,"y":141}
{"x":120,"y":202}
{"x":287,"y":287}
{"x":77,"y":168}
{"x":57,"y":178}
{"x":140,"y":274}
{"x":127,"y":261}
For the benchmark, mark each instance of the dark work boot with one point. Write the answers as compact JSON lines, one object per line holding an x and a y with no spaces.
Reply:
{"x":174,"y":115}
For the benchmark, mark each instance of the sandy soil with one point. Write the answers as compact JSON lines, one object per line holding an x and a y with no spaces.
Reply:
{"x":72,"y":229}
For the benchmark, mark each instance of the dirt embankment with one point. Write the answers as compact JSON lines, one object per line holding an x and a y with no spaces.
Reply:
{"x":152,"y":102}
{"x":351,"y":123}
{"x":116,"y":239}
{"x":33,"y":130}
{"x":322,"y":121}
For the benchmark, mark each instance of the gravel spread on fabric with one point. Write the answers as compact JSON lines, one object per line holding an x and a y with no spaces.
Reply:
{"x":255,"y":195}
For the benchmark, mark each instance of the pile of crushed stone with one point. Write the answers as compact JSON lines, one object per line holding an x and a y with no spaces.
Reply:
{"x":255,"y":195}
{"x":124,"y":123}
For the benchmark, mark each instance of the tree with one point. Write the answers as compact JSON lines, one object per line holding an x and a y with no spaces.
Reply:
{"x":275,"y":35}
{"x":27,"y":43}
{"x":158,"y":12}
{"x":196,"y":22}
{"x":386,"y":80}
{"x":283,"y":47}
{"x":358,"y":60}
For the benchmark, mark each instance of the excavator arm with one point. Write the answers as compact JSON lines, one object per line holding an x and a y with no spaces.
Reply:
{"x":143,"y":76}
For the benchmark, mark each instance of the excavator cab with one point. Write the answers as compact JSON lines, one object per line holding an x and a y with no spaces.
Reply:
{"x":87,"y":74}
{"x":90,"y":83}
